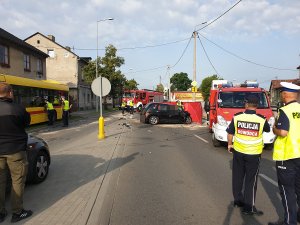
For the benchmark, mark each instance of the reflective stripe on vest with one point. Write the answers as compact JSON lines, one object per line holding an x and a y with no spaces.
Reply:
{"x":49,"y":106}
{"x":289,"y":147}
{"x":248,"y":137}
{"x":66,"y":105}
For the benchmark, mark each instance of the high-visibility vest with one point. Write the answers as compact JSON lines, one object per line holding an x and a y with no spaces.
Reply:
{"x":130,"y":103}
{"x":123,"y":104}
{"x":66,"y":106}
{"x":288,"y":147}
{"x":248,"y":138}
{"x":49,"y":106}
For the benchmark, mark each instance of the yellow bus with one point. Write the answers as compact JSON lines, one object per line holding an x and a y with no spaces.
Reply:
{"x":32,"y":94}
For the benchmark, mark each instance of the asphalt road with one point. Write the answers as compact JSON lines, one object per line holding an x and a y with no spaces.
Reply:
{"x":178,"y":177}
{"x":161,"y":175}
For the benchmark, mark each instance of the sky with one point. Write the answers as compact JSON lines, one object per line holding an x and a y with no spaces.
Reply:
{"x":255,"y":40}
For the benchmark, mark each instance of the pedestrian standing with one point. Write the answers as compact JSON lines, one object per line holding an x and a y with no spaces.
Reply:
{"x":66,"y":110}
{"x":13,"y":142}
{"x":50,"y":111}
{"x":247,"y":128}
{"x":123,"y":105}
{"x":131,"y":106}
{"x":287,"y":153}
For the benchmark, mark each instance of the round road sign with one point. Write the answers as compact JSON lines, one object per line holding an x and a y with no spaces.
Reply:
{"x":96,"y":86}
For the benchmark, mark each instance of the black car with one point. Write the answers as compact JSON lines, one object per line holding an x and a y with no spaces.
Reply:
{"x":39,"y":160}
{"x":155,"y":113}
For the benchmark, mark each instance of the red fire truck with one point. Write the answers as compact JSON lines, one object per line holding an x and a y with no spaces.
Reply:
{"x":142,"y":97}
{"x":227,"y":99}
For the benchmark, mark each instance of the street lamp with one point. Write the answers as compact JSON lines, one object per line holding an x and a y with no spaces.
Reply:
{"x":101,"y":134}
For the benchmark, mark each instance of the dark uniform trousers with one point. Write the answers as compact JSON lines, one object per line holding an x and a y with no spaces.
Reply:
{"x":288,"y":173}
{"x":65,"y":117}
{"x":50,"y":116}
{"x":245,"y":168}
{"x":18,"y":166}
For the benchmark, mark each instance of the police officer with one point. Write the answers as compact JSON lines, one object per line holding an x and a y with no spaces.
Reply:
{"x":123,"y":105}
{"x":50,"y":111}
{"x":180,"y":105}
{"x":131,"y":106}
{"x":287,"y":152}
{"x":247,"y":128}
{"x":66,"y":109}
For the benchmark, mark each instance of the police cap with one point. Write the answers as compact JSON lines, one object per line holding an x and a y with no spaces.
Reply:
{"x":289,"y":87}
{"x":252,"y":99}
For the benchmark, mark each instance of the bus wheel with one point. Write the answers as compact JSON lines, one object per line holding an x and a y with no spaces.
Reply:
{"x":216,"y":143}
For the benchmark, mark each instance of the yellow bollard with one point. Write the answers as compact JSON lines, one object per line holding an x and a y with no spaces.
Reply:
{"x":101,"y":134}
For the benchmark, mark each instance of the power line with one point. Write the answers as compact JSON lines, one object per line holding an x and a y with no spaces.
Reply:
{"x":208,"y":57}
{"x":182,"y":53}
{"x":246,"y":60}
{"x":220,"y":16}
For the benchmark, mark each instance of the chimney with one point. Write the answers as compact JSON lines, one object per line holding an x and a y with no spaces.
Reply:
{"x":68,"y":48}
{"x":51,"y":37}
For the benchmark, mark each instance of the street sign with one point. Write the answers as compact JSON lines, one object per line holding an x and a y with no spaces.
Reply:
{"x":96,"y":86}
{"x":194,"y":83}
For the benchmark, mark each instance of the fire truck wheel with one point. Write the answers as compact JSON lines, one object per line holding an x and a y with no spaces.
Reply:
{"x":216,"y":143}
{"x":139,"y":108}
{"x":153,"y":120}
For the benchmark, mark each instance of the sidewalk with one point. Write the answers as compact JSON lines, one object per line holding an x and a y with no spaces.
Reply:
{"x":76,"y":195}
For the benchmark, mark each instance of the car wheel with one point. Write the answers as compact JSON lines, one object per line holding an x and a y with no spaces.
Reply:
{"x":153,"y":120}
{"x":40,"y":167}
{"x":188,"y":120}
{"x":216,"y":143}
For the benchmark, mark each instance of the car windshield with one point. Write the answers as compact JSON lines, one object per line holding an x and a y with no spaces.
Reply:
{"x":237,"y":99}
{"x":128,"y":95}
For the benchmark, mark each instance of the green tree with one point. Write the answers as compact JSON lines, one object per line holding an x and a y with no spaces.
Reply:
{"x":160,"y":88}
{"x":107,"y":67}
{"x":131,"y":84}
{"x":180,"y":82}
{"x":206,"y":85}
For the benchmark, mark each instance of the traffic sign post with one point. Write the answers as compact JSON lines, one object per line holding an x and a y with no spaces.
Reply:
{"x":101,"y":87}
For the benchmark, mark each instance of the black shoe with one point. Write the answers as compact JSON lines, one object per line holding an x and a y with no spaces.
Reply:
{"x":277,"y":223}
{"x":238,"y":204}
{"x":253,"y":212}
{"x":3,"y":216}
{"x":20,"y":216}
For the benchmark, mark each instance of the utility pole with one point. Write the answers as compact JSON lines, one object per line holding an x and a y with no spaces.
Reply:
{"x":169,"y":82}
{"x":195,"y":33}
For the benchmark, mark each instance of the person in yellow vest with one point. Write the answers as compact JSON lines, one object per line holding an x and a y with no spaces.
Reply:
{"x":50,"y":111}
{"x":131,"y":106}
{"x":247,"y":129}
{"x":123,"y":106}
{"x":180,"y":105}
{"x":286,"y":153}
{"x":66,"y":110}
{"x":55,"y":101}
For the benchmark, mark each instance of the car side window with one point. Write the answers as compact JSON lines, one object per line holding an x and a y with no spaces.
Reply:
{"x":163,"y":108}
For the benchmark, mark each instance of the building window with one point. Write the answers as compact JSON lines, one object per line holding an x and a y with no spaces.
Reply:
{"x":38,"y":41}
{"x":39,"y":68}
{"x":26,"y":62}
{"x":4,"y":55}
{"x":51,"y":53}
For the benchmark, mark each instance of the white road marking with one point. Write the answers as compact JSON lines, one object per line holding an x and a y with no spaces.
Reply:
{"x":150,"y":131}
{"x":269,"y":179}
{"x":202,"y":139}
